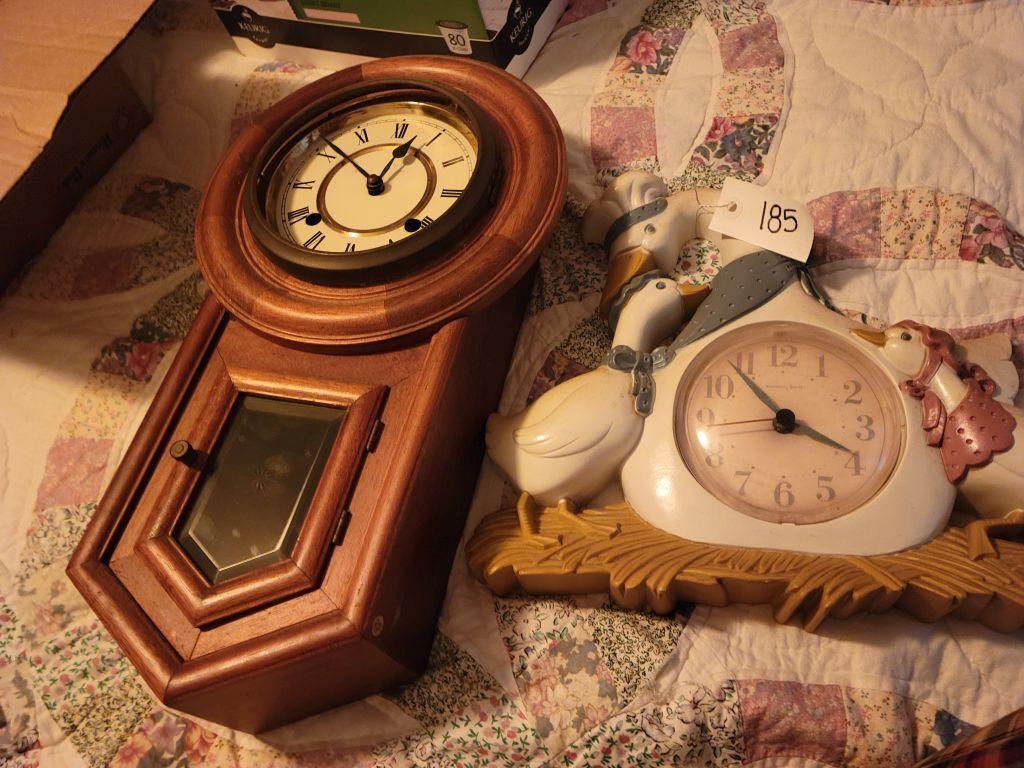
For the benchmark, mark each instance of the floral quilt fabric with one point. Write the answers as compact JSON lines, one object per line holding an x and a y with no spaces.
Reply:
{"x":87,"y":333}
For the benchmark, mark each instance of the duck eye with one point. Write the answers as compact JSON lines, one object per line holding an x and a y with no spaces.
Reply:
{"x":659,"y":284}
{"x":906,"y":336}
{"x":650,"y":229}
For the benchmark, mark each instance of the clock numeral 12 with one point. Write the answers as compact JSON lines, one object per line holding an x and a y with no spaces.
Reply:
{"x":788,"y":354}
{"x":400,"y":129}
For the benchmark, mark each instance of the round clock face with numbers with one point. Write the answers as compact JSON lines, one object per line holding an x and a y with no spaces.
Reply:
{"x":372,"y":180}
{"x":788,"y":423}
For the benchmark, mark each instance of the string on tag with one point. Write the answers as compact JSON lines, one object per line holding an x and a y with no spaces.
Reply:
{"x":706,"y":208}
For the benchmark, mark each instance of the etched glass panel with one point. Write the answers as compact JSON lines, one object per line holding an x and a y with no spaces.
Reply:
{"x":250,"y":504}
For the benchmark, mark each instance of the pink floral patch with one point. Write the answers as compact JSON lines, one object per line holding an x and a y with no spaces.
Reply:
{"x":568,"y":691}
{"x":642,"y":48}
{"x":988,"y":238}
{"x":131,"y":358}
{"x":556,"y":369}
{"x":104,"y":272}
{"x":620,"y":135}
{"x":847,"y":225}
{"x":790,"y":719}
{"x":74,"y":470}
{"x":753,"y":46}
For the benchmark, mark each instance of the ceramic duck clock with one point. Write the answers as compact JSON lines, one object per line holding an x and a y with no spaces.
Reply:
{"x":278,"y":537}
{"x":771,"y":451}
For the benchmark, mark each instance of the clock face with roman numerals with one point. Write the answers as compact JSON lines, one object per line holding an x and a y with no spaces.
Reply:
{"x":788,"y":423}
{"x":373,"y":177}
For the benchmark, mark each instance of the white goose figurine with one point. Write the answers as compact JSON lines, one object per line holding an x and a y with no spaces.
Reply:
{"x":975,"y":433}
{"x":567,"y":446}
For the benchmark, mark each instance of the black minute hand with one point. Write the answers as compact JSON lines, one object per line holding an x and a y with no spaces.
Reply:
{"x":763,"y":396}
{"x":341,"y":152}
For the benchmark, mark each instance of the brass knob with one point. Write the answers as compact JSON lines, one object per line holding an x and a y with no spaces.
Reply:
{"x":182,"y":451}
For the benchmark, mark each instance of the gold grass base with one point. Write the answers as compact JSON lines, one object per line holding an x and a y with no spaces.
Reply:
{"x":965,"y":572}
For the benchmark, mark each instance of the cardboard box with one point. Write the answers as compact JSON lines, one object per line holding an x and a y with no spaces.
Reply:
{"x":67,"y":111}
{"x":507,"y":33}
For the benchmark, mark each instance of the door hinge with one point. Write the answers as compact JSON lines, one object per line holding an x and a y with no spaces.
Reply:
{"x":339,"y":532}
{"x":374,"y":437}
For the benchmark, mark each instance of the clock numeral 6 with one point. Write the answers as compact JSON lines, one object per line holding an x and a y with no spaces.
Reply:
{"x":784,"y":494}
{"x":825,"y":491}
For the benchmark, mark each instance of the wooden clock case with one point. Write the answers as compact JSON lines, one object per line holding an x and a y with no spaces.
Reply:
{"x":417,"y":360}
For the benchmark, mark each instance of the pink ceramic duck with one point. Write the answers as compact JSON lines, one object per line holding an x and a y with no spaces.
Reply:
{"x":961,"y":414}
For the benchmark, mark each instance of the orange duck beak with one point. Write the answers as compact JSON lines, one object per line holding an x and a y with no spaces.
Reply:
{"x":869,"y":334}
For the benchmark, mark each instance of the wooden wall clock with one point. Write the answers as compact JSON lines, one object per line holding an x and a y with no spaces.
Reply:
{"x":278,"y":537}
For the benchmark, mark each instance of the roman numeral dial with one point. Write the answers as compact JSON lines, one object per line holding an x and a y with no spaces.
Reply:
{"x":375,"y":178}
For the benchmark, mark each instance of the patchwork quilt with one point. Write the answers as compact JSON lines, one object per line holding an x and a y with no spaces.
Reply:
{"x":901,"y":122}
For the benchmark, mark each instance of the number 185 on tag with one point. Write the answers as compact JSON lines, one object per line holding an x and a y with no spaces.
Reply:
{"x":777,"y":219}
{"x":764,"y":217}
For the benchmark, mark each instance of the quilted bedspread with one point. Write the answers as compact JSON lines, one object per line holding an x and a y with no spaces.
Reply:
{"x":901,"y":123}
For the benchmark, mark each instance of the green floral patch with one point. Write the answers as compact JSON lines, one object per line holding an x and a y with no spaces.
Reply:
{"x":53,"y":537}
{"x":109,"y":719}
{"x":491,"y":731}
{"x":588,"y":342}
{"x":633,"y":645}
{"x":569,"y":268}
{"x":451,"y":682}
{"x":77,"y":669}
{"x":172,"y":315}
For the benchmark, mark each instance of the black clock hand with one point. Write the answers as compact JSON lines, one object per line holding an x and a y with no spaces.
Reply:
{"x":803,"y":429}
{"x":341,"y":152}
{"x":396,"y":154}
{"x":763,"y":396}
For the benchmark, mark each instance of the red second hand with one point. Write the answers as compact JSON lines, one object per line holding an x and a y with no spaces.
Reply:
{"x":730,"y":423}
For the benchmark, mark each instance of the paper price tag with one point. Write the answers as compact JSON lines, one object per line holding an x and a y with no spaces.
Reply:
{"x":763,"y":217}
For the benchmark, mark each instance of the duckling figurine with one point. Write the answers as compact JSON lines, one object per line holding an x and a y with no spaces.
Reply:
{"x":567,"y":446}
{"x":961,"y":412}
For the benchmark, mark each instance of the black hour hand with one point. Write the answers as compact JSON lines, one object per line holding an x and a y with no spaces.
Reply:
{"x":397,"y":154}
